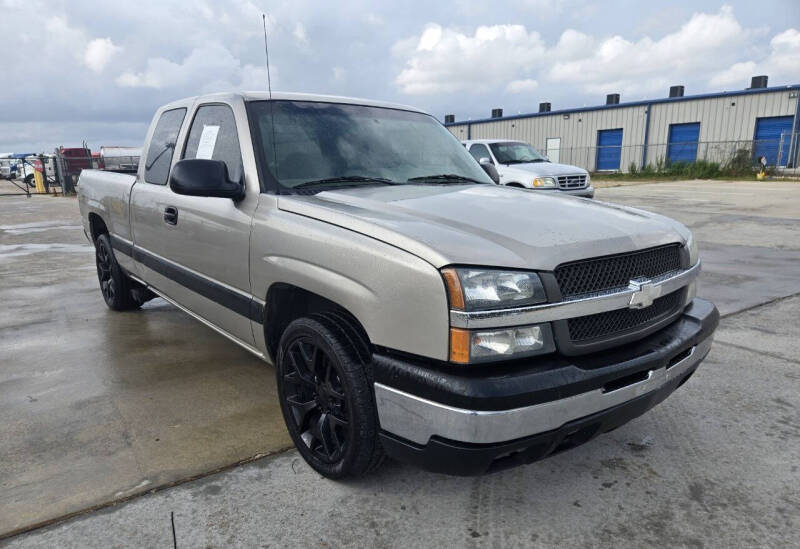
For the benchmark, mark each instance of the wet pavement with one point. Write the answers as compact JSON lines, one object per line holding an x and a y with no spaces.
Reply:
{"x":98,"y":406}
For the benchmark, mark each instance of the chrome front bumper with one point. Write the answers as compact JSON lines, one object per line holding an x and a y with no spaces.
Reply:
{"x":417,"y":419}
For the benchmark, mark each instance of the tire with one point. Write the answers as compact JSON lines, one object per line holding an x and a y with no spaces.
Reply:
{"x":327,"y":397}
{"x":115,"y":285}
{"x":29,"y":181}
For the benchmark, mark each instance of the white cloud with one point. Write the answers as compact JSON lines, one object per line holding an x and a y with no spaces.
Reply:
{"x":339,"y":74}
{"x":738,"y":73}
{"x":99,"y":52}
{"x":522,"y":86}
{"x":300,"y":32}
{"x":512,"y":59}
{"x":207,"y":68}
{"x":445,"y":60}
{"x":698,"y":45}
{"x":781,"y":64}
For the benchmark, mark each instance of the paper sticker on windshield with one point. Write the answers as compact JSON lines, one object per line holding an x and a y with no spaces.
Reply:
{"x":208,"y":139}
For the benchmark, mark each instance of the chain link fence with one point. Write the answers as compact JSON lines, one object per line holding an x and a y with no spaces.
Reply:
{"x":57,"y":173}
{"x":734,"y":157}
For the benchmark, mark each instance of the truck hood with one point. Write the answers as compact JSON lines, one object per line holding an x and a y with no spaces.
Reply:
{"x":488,"y":224}
{"x":543,"y":168}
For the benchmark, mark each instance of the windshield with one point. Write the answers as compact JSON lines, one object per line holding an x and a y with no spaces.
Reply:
{"x":515,"y":152}
{"x":312,"y":144}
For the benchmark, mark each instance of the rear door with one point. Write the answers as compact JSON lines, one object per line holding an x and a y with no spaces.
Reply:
{"x":195,"y":249}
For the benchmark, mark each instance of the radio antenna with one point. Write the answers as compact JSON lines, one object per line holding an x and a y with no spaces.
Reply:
{"x":266,"y":52}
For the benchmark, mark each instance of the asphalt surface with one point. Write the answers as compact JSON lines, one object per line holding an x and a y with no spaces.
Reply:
{"x":714,"y":465}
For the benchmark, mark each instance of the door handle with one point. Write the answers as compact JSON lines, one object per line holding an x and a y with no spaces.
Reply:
{"x":171,"y":215}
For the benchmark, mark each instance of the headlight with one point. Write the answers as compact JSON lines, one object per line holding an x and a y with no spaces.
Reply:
{"x":694,"y":254}
{"x":481,"y":289}
{"x":544,"y":182}
{"x":468,"y":347}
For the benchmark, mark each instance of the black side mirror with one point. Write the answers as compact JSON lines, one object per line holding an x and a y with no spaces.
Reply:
{"x":202,"y":177}
{"x":491,"y":171}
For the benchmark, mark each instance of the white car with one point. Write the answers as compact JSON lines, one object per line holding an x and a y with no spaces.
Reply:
{"x":520,"y":165}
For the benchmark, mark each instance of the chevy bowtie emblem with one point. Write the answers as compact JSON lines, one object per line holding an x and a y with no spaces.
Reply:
{"x":644,"y":293}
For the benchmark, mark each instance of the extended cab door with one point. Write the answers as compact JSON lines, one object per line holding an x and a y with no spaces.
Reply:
{"x":195,"y":249}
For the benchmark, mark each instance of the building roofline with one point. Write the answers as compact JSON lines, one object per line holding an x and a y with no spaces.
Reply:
{"x":642,"y":103}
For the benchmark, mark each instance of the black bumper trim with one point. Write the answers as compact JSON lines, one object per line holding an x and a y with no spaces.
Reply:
{"x":502,"y":386}
{"x":464,"y":459}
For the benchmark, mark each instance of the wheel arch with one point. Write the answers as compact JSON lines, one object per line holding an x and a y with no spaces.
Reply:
{"x":96,"y":226}
{"x":287,"y":302}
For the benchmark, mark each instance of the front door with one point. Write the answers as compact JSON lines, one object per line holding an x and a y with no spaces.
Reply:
{"x":553,"y":147}
{"x":195,"y":249}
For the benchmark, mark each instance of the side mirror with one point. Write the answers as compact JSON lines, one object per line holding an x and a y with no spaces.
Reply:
{"x":202,"y":177}
{"x":485,"y":160}
{"x":491,"y":171}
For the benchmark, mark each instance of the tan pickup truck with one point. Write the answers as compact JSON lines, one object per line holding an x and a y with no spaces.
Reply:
{"x":409,"y":305}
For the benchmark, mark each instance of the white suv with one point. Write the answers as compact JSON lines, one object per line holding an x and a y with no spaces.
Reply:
{"x":520,"y":165}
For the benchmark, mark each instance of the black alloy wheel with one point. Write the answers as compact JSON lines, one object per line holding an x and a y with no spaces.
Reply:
{"x":105,"y":273}
{"x":316,"y":398}
{"x":327,"y":397}
{"x":115,"y":285}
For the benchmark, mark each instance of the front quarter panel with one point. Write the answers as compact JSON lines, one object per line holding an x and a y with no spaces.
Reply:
{"x":397,"y":297}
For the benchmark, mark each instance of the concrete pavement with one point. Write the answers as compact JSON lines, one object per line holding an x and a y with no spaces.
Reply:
{"x":126,"y":403}
{"x":715,"y":465}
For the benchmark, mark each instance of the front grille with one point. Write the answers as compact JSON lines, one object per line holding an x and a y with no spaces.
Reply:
{"x":613,"y":323}
{"x":616,"y":271}
{"x":577,"y":181}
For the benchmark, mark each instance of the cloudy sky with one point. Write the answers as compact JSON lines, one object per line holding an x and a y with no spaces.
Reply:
{"x":79,"y":70}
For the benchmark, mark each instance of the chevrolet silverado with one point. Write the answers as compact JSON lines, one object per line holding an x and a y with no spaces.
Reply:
{"x":409,"y":305}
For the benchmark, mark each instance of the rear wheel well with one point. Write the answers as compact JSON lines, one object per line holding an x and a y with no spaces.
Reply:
{"x":96,"y":226}
{"x":286,"y":303}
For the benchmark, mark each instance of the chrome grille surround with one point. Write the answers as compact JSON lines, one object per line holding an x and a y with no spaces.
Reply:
{"x":574,"y":181}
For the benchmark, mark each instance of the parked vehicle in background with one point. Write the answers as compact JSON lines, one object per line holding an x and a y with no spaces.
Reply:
{"x":8,"y":168}
{"x":520,"y":165}
{"x":120,"y":159}
{"x":73,"y":161}
{"x":410,"y":306}
{"x":15,"y":166}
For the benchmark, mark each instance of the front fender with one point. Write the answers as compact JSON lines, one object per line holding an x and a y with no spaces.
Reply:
{"x":397,"y":297}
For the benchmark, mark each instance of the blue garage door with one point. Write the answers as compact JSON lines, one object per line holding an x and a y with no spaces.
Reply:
{"x":609,"y":147}
{"x":772,"y":139}
{"x":682,"y":145}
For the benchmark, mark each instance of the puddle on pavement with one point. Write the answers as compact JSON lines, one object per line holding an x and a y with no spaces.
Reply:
{"x":37,"y":227}
{"x":18,"y":250}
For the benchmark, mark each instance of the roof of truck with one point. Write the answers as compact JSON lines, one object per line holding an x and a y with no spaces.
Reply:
{"x":290,"y":96}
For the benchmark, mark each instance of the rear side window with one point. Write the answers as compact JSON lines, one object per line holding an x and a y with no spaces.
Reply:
{"x":162,"y":145}
{"x":213,"y":136}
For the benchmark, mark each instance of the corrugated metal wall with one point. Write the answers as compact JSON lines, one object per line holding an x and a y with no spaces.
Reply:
{"x":724,"y":118}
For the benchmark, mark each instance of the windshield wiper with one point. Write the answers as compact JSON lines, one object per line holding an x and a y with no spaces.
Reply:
{"x":532,"y":161}
{"x":346,"y":179}
{"x":444,"y":177}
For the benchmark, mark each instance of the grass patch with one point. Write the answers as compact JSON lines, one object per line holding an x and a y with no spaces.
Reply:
{"x":739,"y":166}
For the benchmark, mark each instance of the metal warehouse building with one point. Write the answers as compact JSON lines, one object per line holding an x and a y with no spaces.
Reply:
{"x":720,"y":127}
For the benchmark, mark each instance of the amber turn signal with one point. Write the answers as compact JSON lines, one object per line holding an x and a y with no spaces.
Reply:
{"x":459,"y":346}
{"x":454,"y":293}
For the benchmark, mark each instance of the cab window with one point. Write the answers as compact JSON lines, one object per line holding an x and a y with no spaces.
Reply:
{"x":213,"y":136}
{"x":162,"y":145}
